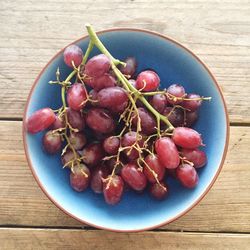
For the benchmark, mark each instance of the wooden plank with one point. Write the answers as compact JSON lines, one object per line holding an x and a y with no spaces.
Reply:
{"x":225,"y":208}
{"x":81,"y":239}
{"x":221,"y":41}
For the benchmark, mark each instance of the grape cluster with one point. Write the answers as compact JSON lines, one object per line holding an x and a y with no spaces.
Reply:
{"x":118,"y":131}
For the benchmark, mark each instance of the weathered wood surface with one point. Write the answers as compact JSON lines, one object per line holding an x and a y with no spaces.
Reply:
{"x":33,"y":31}
{"x":226,"y":207}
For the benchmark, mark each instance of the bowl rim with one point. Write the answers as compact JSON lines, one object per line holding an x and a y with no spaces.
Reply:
{"x":169,"y":39}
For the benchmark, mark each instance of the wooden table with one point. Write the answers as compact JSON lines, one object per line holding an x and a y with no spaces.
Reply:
{"x":33,"y":31}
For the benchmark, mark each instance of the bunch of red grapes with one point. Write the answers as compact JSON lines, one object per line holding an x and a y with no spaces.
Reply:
{"x":113,"y":128}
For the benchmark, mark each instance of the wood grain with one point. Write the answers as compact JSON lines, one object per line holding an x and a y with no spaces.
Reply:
{"x":82,"y":239}
{"x":226,"y":208}
{"x":32,"y":32}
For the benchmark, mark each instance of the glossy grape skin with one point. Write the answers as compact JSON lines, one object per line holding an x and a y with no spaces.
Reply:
{"x":93,"y":98}
{"x":75,"y":119}
{"x":40,"y":120}
{"x":97,"y":66}
{"x":127,"y":140}
{"x":92,"y":154}
{"x":196,"y":156}
{"x":112,"y":98}
{"x":100,"y":120}
{"x":97,"y":176}
{"x":191,"y":105}
{"x":76,"y":96}
{"x":157,"y":191}
{"x":111,"y":145}
{"x":167,"y":152}
{"x":67,"y":157}
{"x":134,"y":177}
{"x":174,"y":94}
{"x":52,"y":142}
{"x":154,"y":163}
{"x":187,"y":138}
{"x":77,"y":140}
{"x":113,"y":192}
{"x":187,"y":175}
{"x":191,"y":118}
{"x":78,"y":180}
{"x":159,"y":102}
{"x":103,"y":81}
{"x":148,"y":123}
{"x":57,"y":124}
{"x":174,"y":115}
{"x":147,"y":80}
{"x":73,"y":53}
{"x":130,"y":68}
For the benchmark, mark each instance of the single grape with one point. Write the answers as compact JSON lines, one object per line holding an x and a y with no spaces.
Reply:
{"x":190,"y":118}
{"x":77,"y":140}
{"x":148,"y":123}
{"x":130,"y":67}
{"x":187,"y":138}
{"x":68,"y":157}
{"x":75,"y":119}
{"x":128,"y":140}
{"x":93,"y":98}
{"x":113,"y":190}
{"x":92,"y":154}
{"x":73,"y":53}
{"x":112,"y":98}
{"x":174,"y":115}
{"x":134,"y":176}
{"x":40,"y":120}
{"x":97,"y":176}
{"x":79,"y":177}
{"x":159,"y":192}
{"x":100,"y":120}
{"x":187,"y":175}
{"x":147,"y":80}
{"x":175,"y":93}
{"x":97,"y":66}
{"x":155,"y":165}
{"x":159,"y":102}
{"x":193,"y":103}
{"x":196,"y":156}
{"x":57,"y":124}
{"x":111,"y":145}
{"x":77,"y":96}
{"x":103,"y":81}
{"x":167,"y":152}
{"x":52,"y":142}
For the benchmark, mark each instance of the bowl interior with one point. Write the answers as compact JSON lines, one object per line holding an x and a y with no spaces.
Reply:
{"x":174,"y":64}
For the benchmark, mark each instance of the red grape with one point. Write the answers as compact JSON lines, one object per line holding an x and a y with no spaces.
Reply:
{"x":92,"y":154}
{"x":113,"y":192}
{"x":159,"y":102}
{"x":174,"y":94}
{"x":58,"y":123}
{"x":130,"y":67}
{"x":147,"y":80}
{"x":191,"y":118}
{"x":77,"y":96}
{"x":174,"y":115}
{"x":77,"y":140}
{"x":192,"y":105}
{"x":67,"y":157}
{"x":159,"y":192}
{"x":79,"y":177}
{"x":40,"y":120}
{"x":100,"y":120}
{"x":97,"y":66}
{"x":148,"y":123}
{"x":75,"y":119}
{"x":52,"y":142}
{"x":73,"y":53}
{"x":186,"y":138}
{"x":167,"y":152}
{"x":103,"y":81}
{"x":196,"y":156}
{"x":111,"y":145}
{"x":97,"y":177}
{"x":93,"y":97}
{"x":155,"y":165}
{"x":134,"y":176}
{"x":187,"y":175}
{"x":112,"y":98}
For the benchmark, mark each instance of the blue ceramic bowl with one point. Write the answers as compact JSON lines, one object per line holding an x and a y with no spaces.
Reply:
{"x":174,"y":64}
